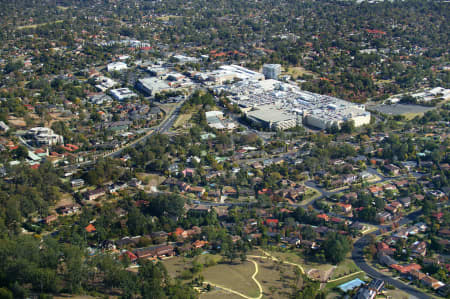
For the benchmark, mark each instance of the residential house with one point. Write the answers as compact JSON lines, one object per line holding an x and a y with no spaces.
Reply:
{"x":405,"y":201}
{"x":390,"y":187}
{"x":396,"y":205}
{"x":384,"y":216}
{"x":416,"y":275}
{"x":90,"y":228}
{"x":376,"y":285}
{"x":419,"y":248}
{"x":198,"y":190}
{"x":160,"y":235}
{"x":431,"y":282}
{"x":346,"y":208}
{"x":349,"y":197}
{"x":383,"y":248}
{"x":392,"y":169}
{"x":386,"y":260}
{"x":376,"y":190}
{"x":188,"y":172}
{"x":3,"y":127}
{"x":199,"y":244}
{"x":390,"y":208}
{"x":401,"y":234}
{"x":49,"y":219}
{"x":77,"y":183}
{"x":323,"y":217}
{"x":131,"y":256}
{"x":405,"y":269}
{"x":401,"y":183}
{"x":155,"y":252}
{"x":68,"y":209}
{"x":94,"y":194}
{"x":349,"y":178}
{"x":127,"y":241}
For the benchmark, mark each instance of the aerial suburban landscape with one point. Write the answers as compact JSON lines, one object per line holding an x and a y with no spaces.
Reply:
{"x":224,"y":149}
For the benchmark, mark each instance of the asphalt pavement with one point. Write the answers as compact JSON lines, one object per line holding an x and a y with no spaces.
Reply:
{"x":358,"y":258}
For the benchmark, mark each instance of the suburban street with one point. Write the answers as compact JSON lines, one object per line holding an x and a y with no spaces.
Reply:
{"x":358,"y":258}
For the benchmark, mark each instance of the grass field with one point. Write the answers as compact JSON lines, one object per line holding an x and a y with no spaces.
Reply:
{"x":167,"y":17}
{"x":150,"y":179}
{"x":397,"y":294}
{"x":298,"y":71}
{"x":176,"y":265}
{"x":295,"y":258}
{"x":276,"y":279}
{"x":37,"y":25}
{"x":181,"y":120}
{"x":236,"y":277}
{"x":218,"y":294}
{"x":310,"y":195}
{"x":346,"y":267}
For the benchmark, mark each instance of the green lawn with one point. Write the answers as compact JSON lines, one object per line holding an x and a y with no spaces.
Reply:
{"x":345,"y":268}
{"x":237,"y":277}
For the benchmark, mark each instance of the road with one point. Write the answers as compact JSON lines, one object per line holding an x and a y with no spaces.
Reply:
{"x":357,"y":253}
{"x":162,"y":128}
{"x":358,"y":258}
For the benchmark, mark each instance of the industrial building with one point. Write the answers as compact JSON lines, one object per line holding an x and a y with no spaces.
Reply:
{"x":272,"y":71}
{"x":280,"y":105}
{"x":122,"y":94}
{"x":152,"y":85}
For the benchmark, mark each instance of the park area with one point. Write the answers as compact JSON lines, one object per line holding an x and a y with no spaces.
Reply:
{"x":272,"y":272}
{"x":238,"y":279}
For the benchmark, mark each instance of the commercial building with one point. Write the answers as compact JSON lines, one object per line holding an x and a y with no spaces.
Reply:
{"x":216,"y":120}
{"x":122,"y":94}
{"x":270,"y":102}
{"x":273,"y":117}
{"x":105,"y":83}
{"x":231,"y":72}
{"x":116,"y":66}
{"x":185,"y":59}
{"x":272,"y":71}
{"x":157,"y":71}
{"x":45,"y":136}
{"x":152,"y":85}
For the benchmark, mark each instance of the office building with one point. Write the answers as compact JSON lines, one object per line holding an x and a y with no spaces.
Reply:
{"x":272,"y":71}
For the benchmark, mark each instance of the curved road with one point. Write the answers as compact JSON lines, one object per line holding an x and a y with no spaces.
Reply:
{"x":358,"y":258}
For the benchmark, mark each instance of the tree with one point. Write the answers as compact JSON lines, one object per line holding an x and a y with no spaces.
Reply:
{"x":5,"y":294}
{"x":348,"y":127}
{"x":21,"y":152}
{"x":336,"y":247}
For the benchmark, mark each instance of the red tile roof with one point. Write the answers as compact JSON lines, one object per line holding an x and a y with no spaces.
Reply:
{"x":90,"y":228}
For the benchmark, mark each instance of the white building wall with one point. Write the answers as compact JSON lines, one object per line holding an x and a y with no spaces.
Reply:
{"x":361,"y":120}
